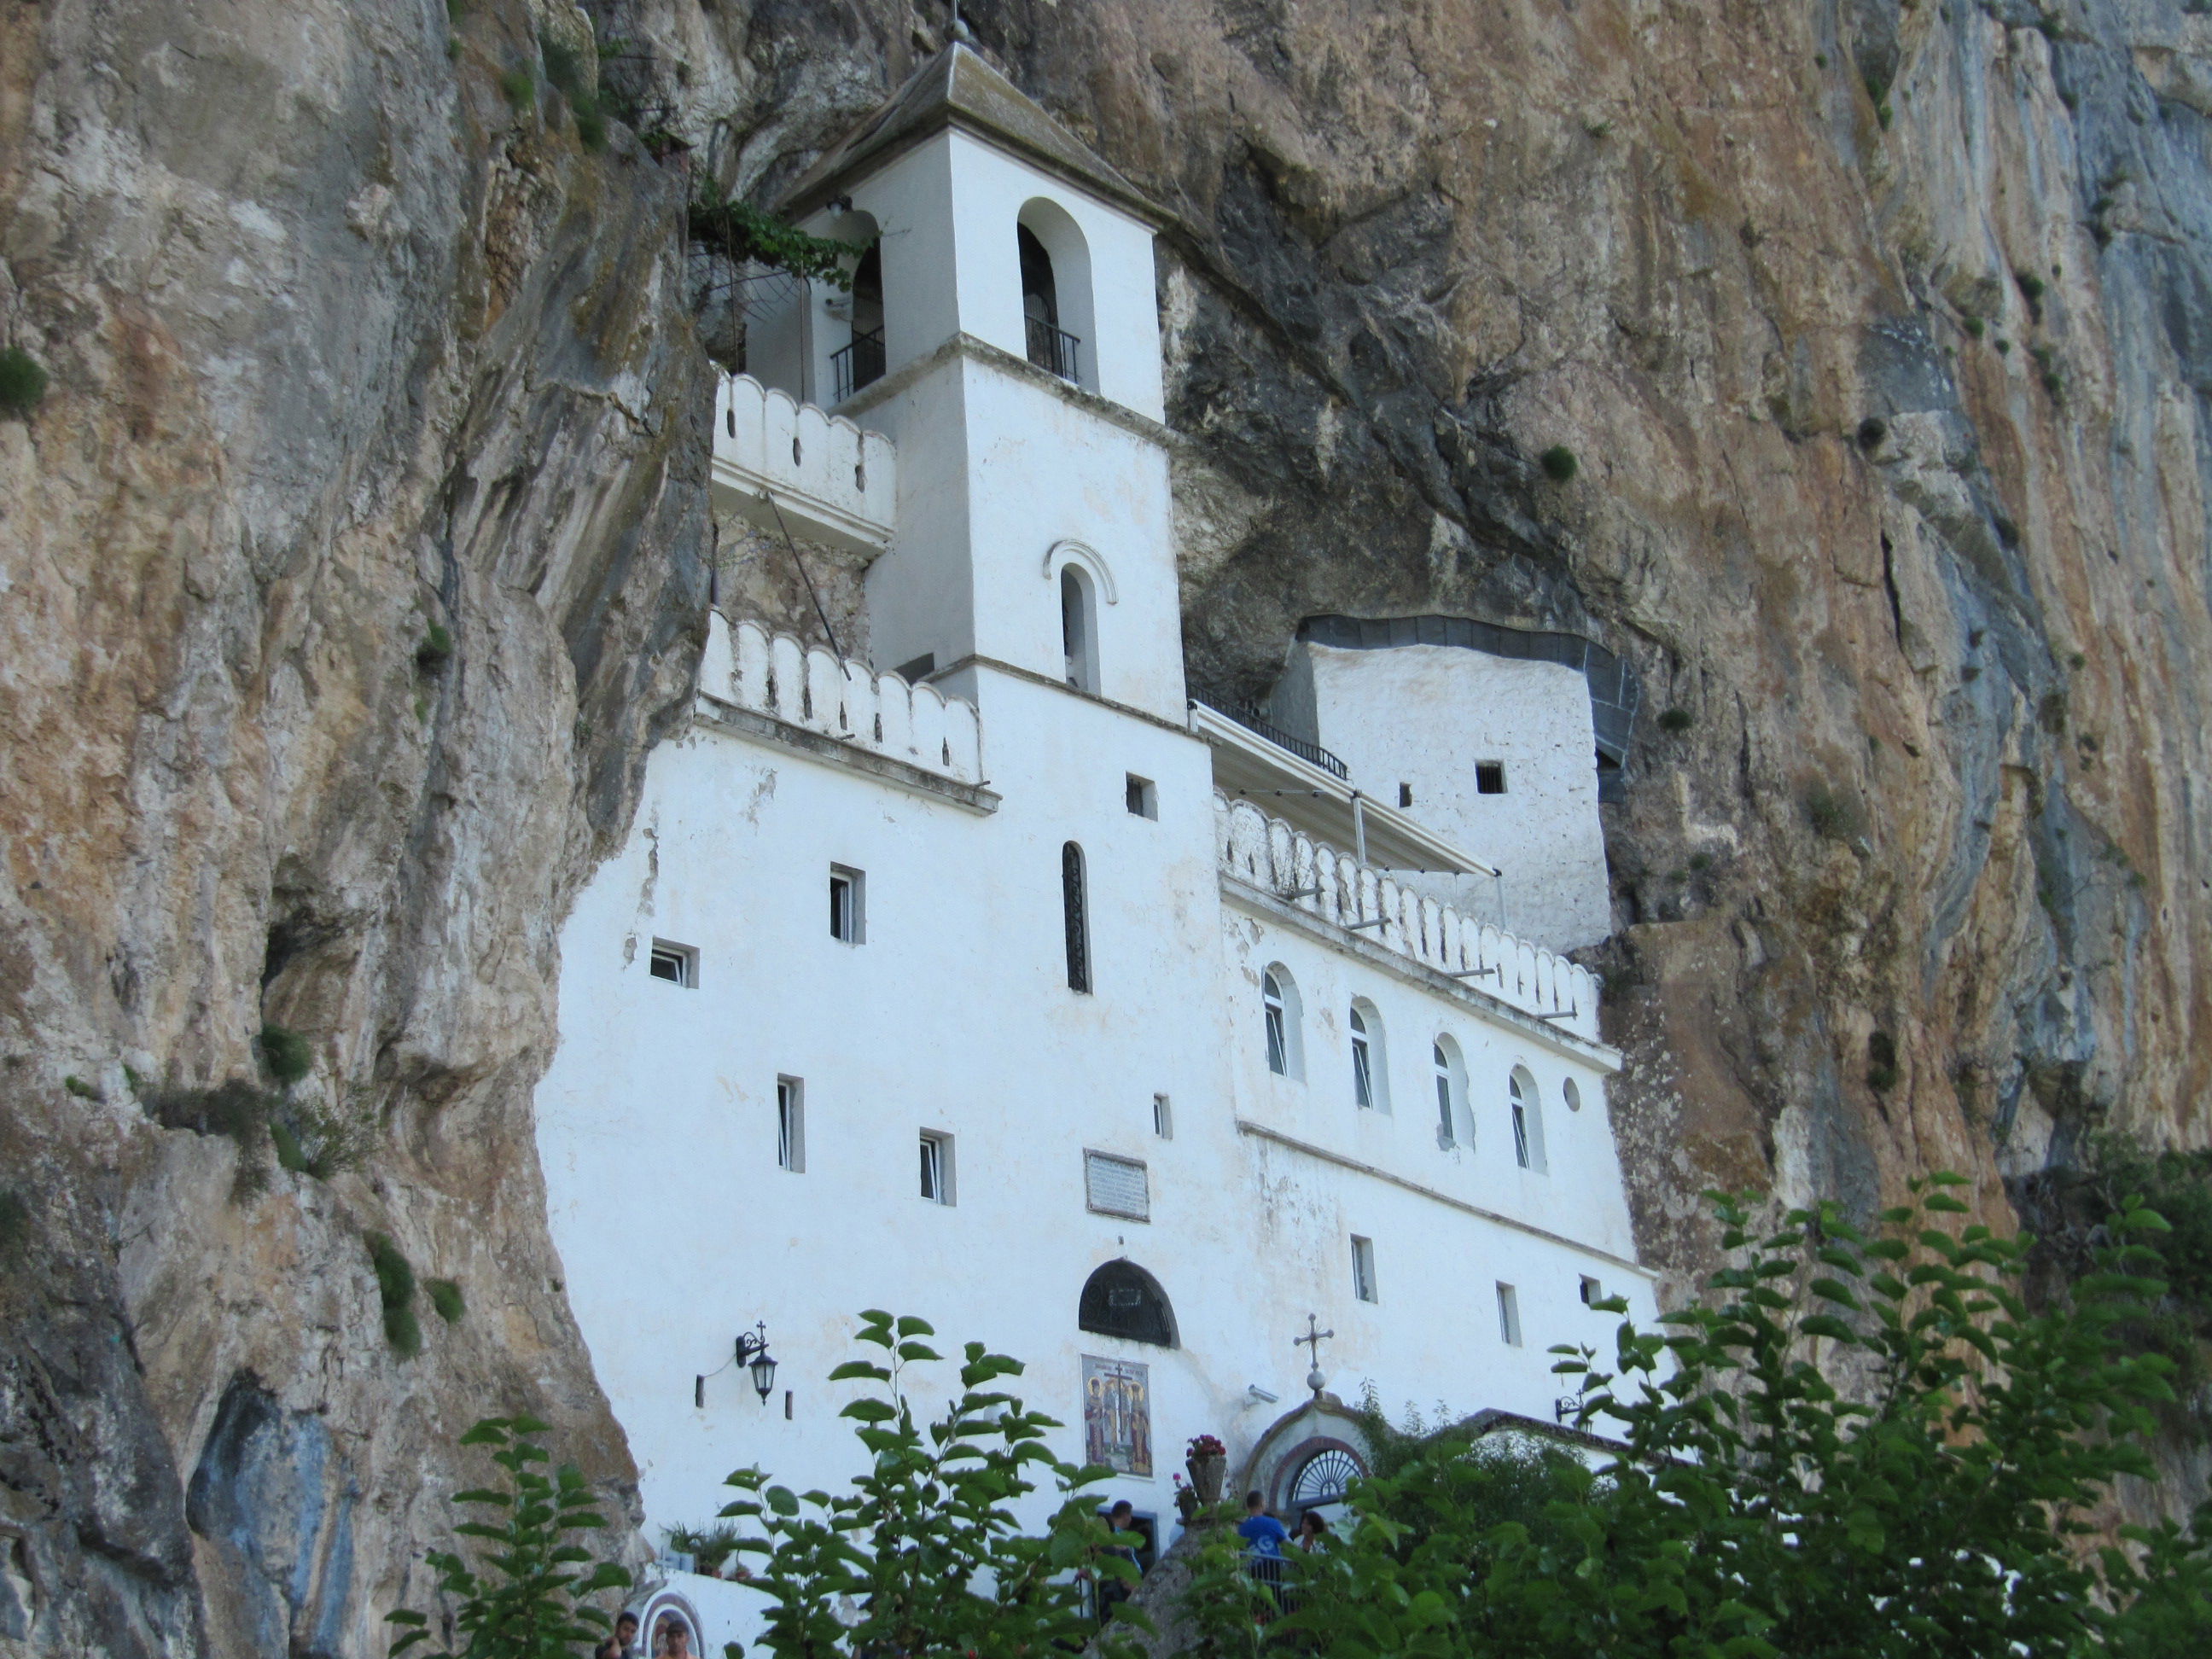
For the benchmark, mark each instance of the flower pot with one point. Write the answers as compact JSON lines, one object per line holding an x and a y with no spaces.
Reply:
{"x":1205,"y":1477}
{"x":1187,"y":1504}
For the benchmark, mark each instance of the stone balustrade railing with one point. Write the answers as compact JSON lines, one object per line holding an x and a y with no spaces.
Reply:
{"x":1323,"y":881}
{"x":826,"y":473}
{"x":816,"y":691}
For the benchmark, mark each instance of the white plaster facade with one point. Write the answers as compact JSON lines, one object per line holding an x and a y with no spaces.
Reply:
{"x":949,"y":1008}
{"x":1423,"y":719}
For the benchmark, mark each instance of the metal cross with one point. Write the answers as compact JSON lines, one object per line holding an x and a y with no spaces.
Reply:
{"x":1312,"y":1339}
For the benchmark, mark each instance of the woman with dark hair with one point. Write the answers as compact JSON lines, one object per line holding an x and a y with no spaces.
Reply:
{"x":1312,"y":1529}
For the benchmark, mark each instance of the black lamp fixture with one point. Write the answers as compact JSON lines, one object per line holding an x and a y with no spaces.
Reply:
{"x":750,"y":1350}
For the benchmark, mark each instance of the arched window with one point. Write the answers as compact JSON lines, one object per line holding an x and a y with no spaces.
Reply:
{"x":1075,"y":912}
{"x":1279,"y":1008}
{"x":1122,"y":1299}
{"x":1527,"y":1121}
{"x":860,"y":361}
{"x":1370,"y":1071}
{"x":1078,"y":627}
{"x":1055,"y":270}
{"x":1453,"y":1124}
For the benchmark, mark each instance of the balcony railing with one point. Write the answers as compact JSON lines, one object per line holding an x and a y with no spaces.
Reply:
{"x":858,"y":364}
{"x":1251,"y":719}
{"x":1053,"y":349}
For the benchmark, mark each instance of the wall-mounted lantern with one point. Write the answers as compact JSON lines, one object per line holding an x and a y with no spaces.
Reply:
{"x":750,"y":1350}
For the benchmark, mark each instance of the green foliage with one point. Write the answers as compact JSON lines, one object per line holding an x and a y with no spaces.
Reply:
{"x":445,"y":1297}
{"x":395,"y":1288}
{"x":236,"y":1111}
{"x":1755,"y":1512}
{"x":1872,"y":431}
{"x":457,"y":10}
{"x":14,"y":1223}
{"x":744,"y":233}
{"x":434,"y":649}
{"x":2032,"y":290}
{"x":520,"y":88}
{"x":1833,"y":814}
{"x":1677,"y":720}
{"x":1559,"y":463}
{"x":1975,"y":326}
{"x":80,"y":1088}
{"x":925,"y":1544}
{"x":532,"y":1591}
{"x":286,"y":1054}
{"x":290,"y":1153}
{"x":22,"y":382}
{"x":1881,"y":1062}
{"x":565,"y":68}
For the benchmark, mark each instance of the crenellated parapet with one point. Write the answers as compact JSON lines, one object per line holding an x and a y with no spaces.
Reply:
{"x":1332,"y":884}
{"x":812,"y":689}
{"x":830,"y":479}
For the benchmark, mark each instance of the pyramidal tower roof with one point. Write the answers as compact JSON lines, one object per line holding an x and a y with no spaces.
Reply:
{"x":957,"y":88}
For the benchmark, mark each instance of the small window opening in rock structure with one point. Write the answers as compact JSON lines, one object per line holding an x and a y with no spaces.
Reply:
{"x":677,"y":964}
{"x":1592,"y":1291}
{"x":847,"y":904}
{"x":1489,"y":777}
{"x":936,"y":1167}
{"x":1141,"y":798}
{"x":1509,"y":1316}
{"x":1363,"y":1269}
{"x":791,"y":1125}
{"x":919,"y":669}
{"x":1405,"y":794}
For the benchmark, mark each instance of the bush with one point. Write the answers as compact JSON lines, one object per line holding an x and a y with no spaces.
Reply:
{"x":80,"y":1088}
{"x":435,"y":648}
{"x":22,"y":382}
{"x":1832,"y":814}
{"x":290,"y":1153}
{"x":236,"y":1111}
{"x":395,"y":1287}
{"x":1872,"y":431}
{"x":1559,"y":463}
{"x":1677,"y":720}
{"x":1881,"y":1062}
{"x":286,"y":1054}
{"x":520,"y":88}
{"x":445,"y":1297}
{"x":1756,"y":1512}
{"x":531,"y":1594}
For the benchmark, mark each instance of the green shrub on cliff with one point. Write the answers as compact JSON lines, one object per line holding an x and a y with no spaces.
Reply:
{"x":22,"y":382}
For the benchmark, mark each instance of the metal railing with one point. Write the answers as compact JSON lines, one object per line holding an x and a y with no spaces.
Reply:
{"x":858,"y":364}
{"x":1053,"y":349}
{"x":1250,"y":718}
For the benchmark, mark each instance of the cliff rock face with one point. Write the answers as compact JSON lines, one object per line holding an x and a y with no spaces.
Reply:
{"x":359,"y":550}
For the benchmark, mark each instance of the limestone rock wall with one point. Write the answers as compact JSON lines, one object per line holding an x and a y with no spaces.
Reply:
{"x":1878,"y":332}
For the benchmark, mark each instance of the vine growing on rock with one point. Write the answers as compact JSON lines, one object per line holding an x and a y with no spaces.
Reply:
{"x":742,"y":233}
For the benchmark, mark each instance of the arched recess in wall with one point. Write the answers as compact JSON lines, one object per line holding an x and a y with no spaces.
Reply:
{"x":1056,"y":302}
{"x":1455,"y":1124}
{"x":1283,"y":1016}
{"x":859,"y":358}
{"x":1122,"y":1299}
{"x":1527,"y":1113}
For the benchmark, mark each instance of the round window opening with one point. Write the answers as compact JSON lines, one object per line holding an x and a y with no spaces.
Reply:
{"x":1323,"y":1479}
{"x":1574,"y":1095}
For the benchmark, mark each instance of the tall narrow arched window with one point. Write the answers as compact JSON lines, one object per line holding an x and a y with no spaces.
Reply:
{"x":1079,"y":627}
{"x":1055,"y":274}
{"x":1370,"y":1069}
{"x":1363,"y":1063}
{"x":1076,"y":916}
{"x":859,"y":361}
{"x":1453,"y":1126}
{"x":1283,"y":1013}
{"x":1527,"y":1121}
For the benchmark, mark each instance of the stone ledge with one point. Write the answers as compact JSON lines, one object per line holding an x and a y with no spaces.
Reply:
{"x":717,"y":715}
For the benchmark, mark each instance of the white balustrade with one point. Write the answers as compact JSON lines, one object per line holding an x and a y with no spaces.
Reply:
{"x":1325,"y":882}
{"x":814,"y":688}
{"x":824,"y":471}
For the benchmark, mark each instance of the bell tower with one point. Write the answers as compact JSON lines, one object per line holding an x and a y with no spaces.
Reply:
{"x":1003,"y":330}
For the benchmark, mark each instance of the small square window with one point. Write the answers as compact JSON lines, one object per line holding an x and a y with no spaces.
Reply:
{"x":677,"y":964}
{"x":1509,"y":1316}
{"x":848,"y":891}
{"x":1405,"y":794}
{"x":1362,"y":1268}
{"x":1163,"y":1118}
{"x":791,"y":1125}
{"x":1489,"y":777}
{"x":936,"y":1167}
{"x":1143,"y":799}
{"x":1593,"y":1293}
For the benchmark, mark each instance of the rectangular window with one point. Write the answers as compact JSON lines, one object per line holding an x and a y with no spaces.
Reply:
{"x":677,"y":964}
{"x":791,"y":1125}
{"x":849,"y":892}
{"x":1144,"y":801}
{"x":936,"y":1167}
{"x":1489,"y":777}
{"x":1405,"y":794}
{"x":1593,"y":1293}
{"x":1362,"y":1268}
{"x":1117,"y":1186}
{"x":1075,"y":917}
{"x":1163,"y":1118}
{"x":1509,"y":1316}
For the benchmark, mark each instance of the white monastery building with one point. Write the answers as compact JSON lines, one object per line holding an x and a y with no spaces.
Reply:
{"x":999,"y":982}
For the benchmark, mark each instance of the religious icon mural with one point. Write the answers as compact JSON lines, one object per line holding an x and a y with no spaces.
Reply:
{"x":1117,"y":1414}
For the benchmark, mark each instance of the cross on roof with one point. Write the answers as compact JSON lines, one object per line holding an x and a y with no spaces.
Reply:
{"x":1312,"y":1339}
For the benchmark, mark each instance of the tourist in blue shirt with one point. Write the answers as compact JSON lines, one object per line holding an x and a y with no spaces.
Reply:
{"x":1262,"y":1533}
